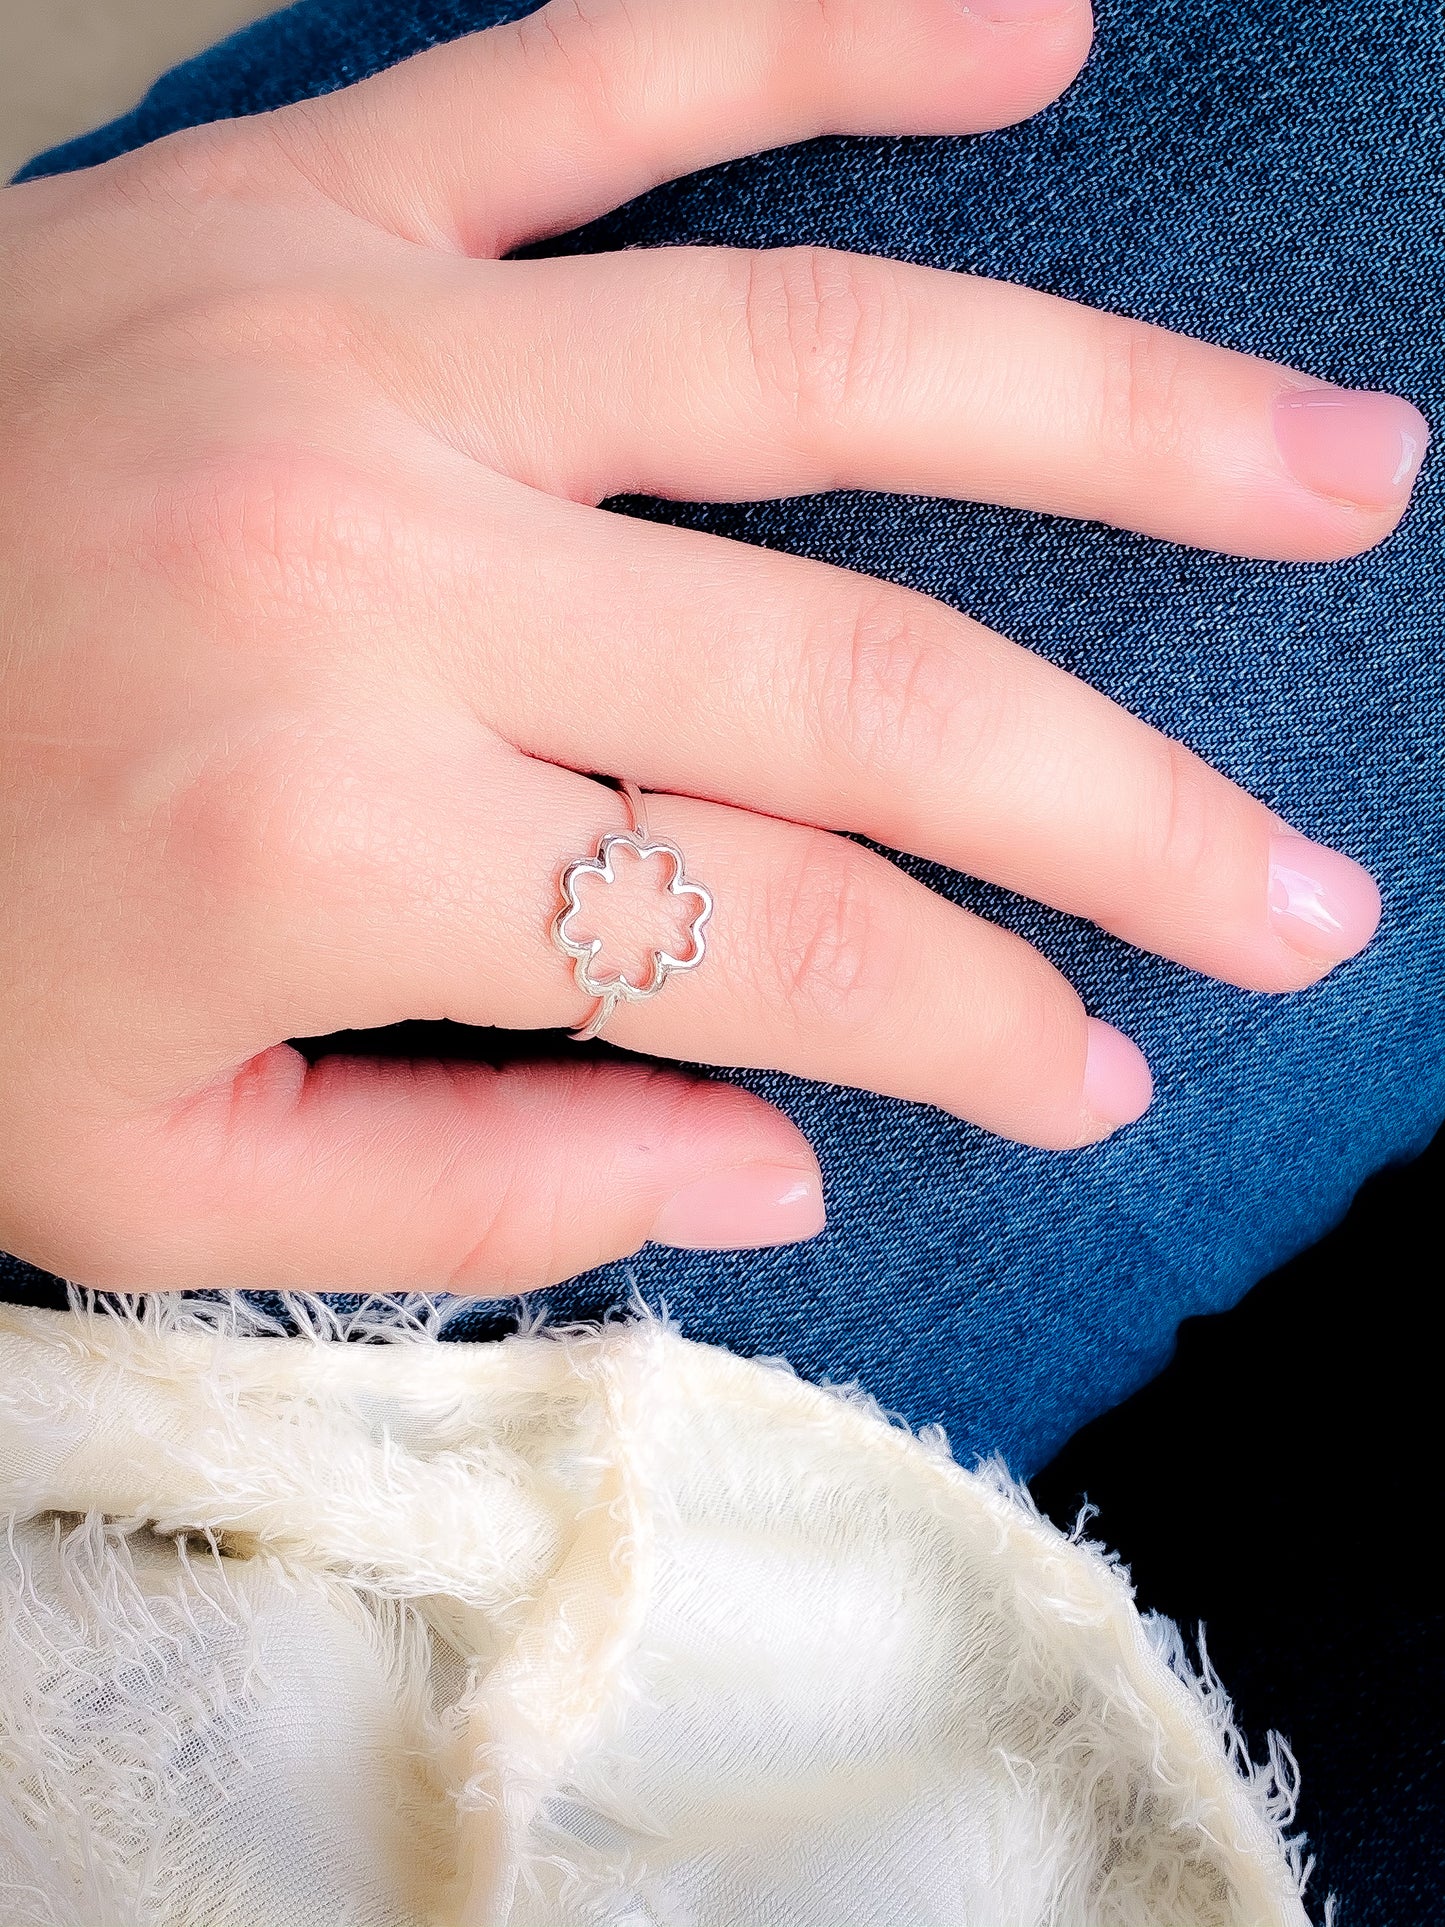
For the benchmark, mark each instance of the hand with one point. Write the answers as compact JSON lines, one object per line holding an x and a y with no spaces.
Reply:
{"x":310,"y":623}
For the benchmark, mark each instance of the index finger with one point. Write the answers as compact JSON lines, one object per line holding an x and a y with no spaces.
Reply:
{"x":535,"y":126}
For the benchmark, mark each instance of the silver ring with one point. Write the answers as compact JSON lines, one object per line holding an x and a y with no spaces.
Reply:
{"x":569,"y":924}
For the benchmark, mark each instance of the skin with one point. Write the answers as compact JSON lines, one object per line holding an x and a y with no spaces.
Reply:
{"x":310,"y":626}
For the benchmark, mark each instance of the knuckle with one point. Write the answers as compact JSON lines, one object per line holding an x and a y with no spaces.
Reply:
{"x":832,"y":951}
{"x":314,"y":814}
{"x":223,"y":825}
{"x":825,"y":332}
{"x":267,"y":524}
{"x":320,"y":816}
{"x":1178,"y":835}
{"x":602,"y":49}
{"x":895,"y":694}
{"x":192,"y":168}
{"x":1143,"y":403}
{"x":283,"y":814}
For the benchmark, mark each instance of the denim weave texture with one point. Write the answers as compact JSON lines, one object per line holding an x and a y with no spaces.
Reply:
{"x":1262,"y":173}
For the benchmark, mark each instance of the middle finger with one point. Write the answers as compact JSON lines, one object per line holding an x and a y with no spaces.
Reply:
{"x":735,"y":374}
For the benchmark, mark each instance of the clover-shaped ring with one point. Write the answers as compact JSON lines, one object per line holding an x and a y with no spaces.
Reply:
{"x":675,"y":918}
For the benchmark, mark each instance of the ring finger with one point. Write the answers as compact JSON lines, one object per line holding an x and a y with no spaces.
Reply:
{"x":822,"y":958}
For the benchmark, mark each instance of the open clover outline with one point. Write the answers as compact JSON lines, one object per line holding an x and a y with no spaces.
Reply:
{"x":587,"y":950}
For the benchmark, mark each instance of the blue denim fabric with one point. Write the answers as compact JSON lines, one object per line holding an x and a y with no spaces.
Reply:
{"x":1265,"y":174}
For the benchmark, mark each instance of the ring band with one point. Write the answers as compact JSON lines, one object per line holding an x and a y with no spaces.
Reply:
{"x":583,"y":875}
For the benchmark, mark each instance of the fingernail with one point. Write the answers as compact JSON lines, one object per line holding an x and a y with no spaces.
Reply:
{"x":1118,"y":1084}
{"x":1007,"y":13}
{"x":1357,"y":447}
{"x":743,"y":1209}
{"x":1323,"y":904}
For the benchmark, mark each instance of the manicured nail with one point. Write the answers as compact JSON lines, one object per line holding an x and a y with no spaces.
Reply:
{"x":1321,"y":903}
{"x":1118,"y":1084}
{"x":1357,"y":447}
{"x":1009,"y":13}
{"x":742,"y":1209}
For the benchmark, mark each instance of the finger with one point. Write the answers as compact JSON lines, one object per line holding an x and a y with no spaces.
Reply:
{"x":532,"y":127}
{"x":768,"y":681}
{"x":409,"y":865}
{"x":826,"y":960}
{"x":734,"y":374}
{"x":822,"y":958}
{"x":358,"y":1175}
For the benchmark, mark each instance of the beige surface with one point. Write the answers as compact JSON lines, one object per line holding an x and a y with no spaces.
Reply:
{"x":67,"y":65}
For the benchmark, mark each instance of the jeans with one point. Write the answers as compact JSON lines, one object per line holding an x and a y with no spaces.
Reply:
{"x":1264,"y":173}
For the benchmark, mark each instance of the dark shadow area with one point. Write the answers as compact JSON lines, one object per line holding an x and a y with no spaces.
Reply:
{"x":1278,"y":1482}
{"x":455,"y":1043}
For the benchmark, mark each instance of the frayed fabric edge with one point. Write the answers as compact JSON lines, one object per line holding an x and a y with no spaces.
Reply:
{"x":1269,"y":1788}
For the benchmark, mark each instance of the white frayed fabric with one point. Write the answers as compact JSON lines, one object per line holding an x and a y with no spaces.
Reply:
{"x":575,"y":1629}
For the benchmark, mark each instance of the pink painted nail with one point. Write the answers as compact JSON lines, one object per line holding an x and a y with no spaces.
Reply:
{"x":1355,"y":446}
{"x":743,"y":1209}
{"x":1008,"y":13}
{"x":1321,"y":903}
{"x":1118,"y":1084}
